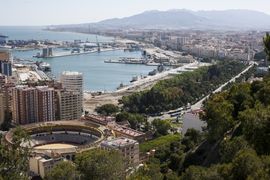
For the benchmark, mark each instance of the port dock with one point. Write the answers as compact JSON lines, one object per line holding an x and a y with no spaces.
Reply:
{"x":64,"y":54}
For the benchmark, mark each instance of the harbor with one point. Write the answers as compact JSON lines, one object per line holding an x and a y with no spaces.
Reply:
{"x":98,"y":76}
{"x":74,"y":53}
{"x":123,"y":63}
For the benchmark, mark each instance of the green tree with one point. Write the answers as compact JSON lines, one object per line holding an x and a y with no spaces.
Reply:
{"x":256,"y":128}
{"x":218,"y":115}
{"x":175,"y":161}
{"x":148,"y":171}
{"x":247,"y":165}
{"x":13,"y":157}
{"x":181,"y":89}
{"x":198,"y":173}
{"x":266,"y":41}
{"x":65,"y":170}
{"x":100,"y":164}
{"x":192,"y":138}
{"x":229,"y":148}
{"x":135,"y":120}
{"x":107,"y":109}
{"x":161,"y":126}
{"x":6,"y":125}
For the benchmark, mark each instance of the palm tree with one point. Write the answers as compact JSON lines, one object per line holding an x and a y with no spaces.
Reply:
{"x":266,"y":41}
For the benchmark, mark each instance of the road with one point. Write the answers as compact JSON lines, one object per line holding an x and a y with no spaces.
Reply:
{"x":151,"y":79}
{"x":198,"y":105}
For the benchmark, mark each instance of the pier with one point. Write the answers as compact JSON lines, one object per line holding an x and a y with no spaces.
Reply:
{"x":64,"y":54}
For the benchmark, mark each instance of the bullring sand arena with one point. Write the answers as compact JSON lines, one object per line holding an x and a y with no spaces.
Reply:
{"x":55,"y":146}
{"x":62,"y":136}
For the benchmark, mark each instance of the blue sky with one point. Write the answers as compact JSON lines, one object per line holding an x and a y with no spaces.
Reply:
{"x":48,"y":12}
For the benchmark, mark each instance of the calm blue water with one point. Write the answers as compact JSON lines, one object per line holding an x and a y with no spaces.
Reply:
{"x":97,"y":74}
{"x":29,"y":33}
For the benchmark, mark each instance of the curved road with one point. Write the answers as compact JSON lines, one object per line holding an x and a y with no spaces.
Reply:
{"x":198,"y":105}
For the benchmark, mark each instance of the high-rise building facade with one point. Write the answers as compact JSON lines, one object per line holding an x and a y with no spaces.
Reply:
{"x":5,"y":62}
{"x":31,"y":105}
{"x":2,"y":108}
{"x":69,"y":105}
{"x":46,"y":105}
{"x":3,"y":80}
{"x":24,"y":109}
{"x":73,"y":81}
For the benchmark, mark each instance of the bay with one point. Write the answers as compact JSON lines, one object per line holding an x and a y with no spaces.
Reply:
{"x":98,"y":76}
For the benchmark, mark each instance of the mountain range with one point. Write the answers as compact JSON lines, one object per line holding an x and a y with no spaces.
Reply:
{"x":187,"y":19}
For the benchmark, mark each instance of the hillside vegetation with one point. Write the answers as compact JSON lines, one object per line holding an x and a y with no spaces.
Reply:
{"x":181,"y":89}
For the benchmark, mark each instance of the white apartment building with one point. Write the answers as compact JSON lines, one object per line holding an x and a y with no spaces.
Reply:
{"x":73,"y":81}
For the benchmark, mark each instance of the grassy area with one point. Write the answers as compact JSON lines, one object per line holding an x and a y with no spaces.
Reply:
{"x":159,"y":142}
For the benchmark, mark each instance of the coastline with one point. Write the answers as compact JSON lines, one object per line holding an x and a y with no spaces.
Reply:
{"x":92,"y":100}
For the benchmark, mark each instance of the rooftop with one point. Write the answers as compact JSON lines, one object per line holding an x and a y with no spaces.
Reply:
{"x":127,"y":131}
{"x":70,"y":73}
{"x":118,"y":142}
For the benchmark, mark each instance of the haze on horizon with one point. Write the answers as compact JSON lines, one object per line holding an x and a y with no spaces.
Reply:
{"x":55,"y":12}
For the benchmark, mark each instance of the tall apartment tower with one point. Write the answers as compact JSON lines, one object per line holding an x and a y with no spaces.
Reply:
{"x":45,"y":104}
{"x":69,"y":106}
{"x":2,"y":108}
{"x":24,"y":101}
{"x":31,"y":105}
{"x":5,"y":62}
{"x":73,"y":81}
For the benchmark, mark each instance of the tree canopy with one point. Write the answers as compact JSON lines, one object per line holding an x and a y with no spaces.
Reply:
{"x":100,"y":164}
{"x":266,"y":41}
{"x":64,"y":170}
{"x":107,"y":109}
{"x":14,"y":158}
{"x":181,"y":89}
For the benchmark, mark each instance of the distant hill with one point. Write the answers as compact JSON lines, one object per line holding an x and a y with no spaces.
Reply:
{"x":186,"y":19}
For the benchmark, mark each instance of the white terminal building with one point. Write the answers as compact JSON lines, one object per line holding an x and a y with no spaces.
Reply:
{"x":128,"y":148}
